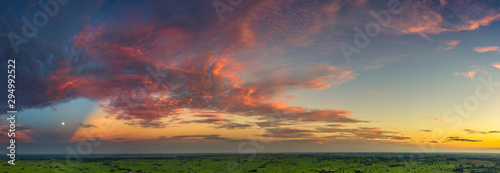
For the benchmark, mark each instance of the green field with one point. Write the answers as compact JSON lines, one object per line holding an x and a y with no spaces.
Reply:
{"x":303,"y":162}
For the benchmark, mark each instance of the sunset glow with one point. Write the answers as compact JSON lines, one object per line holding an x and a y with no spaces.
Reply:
{"x":265,"y":76}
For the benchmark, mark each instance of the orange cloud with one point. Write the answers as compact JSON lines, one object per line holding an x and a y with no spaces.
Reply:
{"x":471,"y":74}
{"x":437,"y":119}
{"x":496,"y":65}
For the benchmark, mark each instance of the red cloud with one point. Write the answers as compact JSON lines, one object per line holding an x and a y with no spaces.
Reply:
{"x":148,"y":82}
{"x":145,"y":69}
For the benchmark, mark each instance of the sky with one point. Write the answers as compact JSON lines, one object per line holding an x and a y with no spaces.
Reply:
{"x":241,"y":76}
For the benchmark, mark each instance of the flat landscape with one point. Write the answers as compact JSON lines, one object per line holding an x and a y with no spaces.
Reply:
{"x":299,"y":162}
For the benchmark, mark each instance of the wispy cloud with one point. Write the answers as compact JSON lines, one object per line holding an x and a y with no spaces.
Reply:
{"x":479,"y":132}
{"x":448,"y":45}
{"x":289,"y":133}
{"x":192,"y":137}
{"x":459,"y":139}
{"x":361,"y":133}
{"x":23,"y":133}
{"x":487,"y":49}
{"x":87,"y":125}
{"x":425,"y":117}
{"x":209,"y":119}
{"x":471,"y":74}
{"x":474,"y":131}
{"x":437,"y":119}
{"x":425,"y":17}
{"x":233,"y":126}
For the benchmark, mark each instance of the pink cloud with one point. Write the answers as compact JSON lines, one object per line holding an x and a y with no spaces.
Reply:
{"x":443,"y":2}
{"x":487,"y":49}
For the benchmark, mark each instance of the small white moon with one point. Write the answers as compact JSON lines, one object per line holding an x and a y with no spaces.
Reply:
{"x":62,"y":123}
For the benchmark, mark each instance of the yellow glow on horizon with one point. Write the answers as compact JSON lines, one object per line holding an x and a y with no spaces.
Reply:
{"x":109,"y":128}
